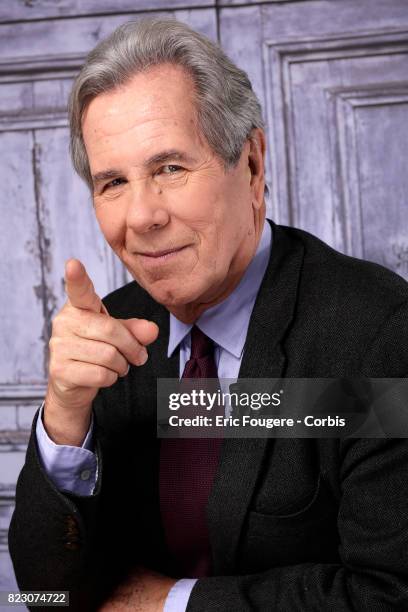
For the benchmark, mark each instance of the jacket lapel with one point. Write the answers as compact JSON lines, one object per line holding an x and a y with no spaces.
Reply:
{"x":241,"y":459}
{"x":168,"y":368}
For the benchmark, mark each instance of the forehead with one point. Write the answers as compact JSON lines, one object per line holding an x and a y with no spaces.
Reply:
{"x":152,"y":104}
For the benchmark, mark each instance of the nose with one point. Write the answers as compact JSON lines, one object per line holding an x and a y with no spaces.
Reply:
{"x":146,"y":208}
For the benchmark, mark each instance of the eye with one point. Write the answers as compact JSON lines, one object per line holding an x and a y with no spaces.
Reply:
{"x":172,"y":169}
{"x":115,"y":183}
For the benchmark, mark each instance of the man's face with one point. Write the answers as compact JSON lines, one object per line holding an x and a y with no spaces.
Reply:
{"x":184,"y":228}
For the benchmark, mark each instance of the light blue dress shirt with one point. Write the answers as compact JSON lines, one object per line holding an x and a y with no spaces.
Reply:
{"x":75,"y":469}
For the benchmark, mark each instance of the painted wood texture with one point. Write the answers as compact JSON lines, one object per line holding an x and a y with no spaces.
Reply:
{"x":19,"y":10}
{"x":317,"y":73}
{"x":332,"y":77}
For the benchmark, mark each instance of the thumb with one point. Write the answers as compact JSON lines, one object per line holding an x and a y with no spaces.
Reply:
{"x":144,"y":331}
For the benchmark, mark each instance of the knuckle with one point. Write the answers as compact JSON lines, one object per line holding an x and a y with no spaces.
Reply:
{"x":125,"y":369}
{"x":83,"y":319}
{"x":110,"y":326}
{"x":109,"y":353}
{"x":138,"y":352}
{"x":100,"y":376}
{"x":60,"y":323}
{"x":106,"y":377}
{"x":55,"y":369}
{"x":82,"y":324}
{"x":115,"y":377}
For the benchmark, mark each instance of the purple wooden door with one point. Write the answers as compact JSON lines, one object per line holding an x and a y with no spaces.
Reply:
{"x":332,"y":76}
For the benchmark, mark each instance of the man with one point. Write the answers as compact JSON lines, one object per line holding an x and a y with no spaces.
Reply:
{"x":169,"y":136}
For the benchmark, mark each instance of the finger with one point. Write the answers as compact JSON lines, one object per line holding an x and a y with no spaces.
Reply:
{"x":125,"y":373}
{"x":106,"y":329}
{"x":79,"y":287}
{"x":80,"y":374}
{"x":145,"y":331}
{"x":89,"y":351}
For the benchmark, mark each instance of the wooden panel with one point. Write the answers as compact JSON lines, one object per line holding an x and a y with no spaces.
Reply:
{"x":14,"y":431}
{"x":307,"y":62}
{"x":33,"y":100}
{"x":21,"y":303}
{"x":66,"y":36}
{"x":245,"y":50}
{"x":61,"y":215}
{"x":248,"y":2}
{"x":25,"y":414}
{"x":294,"y":20}
{"x":315,"y":185}
{"x":345,"y":106}
{"x":10,"y":466}
{"x":382,"y":134}
{"x":19,"y":10}
{"x":16,"y":420}
{"x":241,"y":38}
{"x":7,"y":581}
{"x":8,"y":417}
{"x":68,"y":219}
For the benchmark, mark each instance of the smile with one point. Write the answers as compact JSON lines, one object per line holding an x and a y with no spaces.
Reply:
{"x":160,"y":256}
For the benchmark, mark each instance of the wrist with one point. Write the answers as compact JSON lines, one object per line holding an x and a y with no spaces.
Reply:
{"x":68,"y":426}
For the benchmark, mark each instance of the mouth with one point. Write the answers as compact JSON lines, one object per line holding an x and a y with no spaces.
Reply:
{"x":161,"y":256}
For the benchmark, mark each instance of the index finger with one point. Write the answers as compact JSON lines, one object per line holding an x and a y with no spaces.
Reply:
{"x":79,"y":287}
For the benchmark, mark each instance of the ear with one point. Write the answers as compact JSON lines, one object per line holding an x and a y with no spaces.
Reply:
{"x":256,"y":165}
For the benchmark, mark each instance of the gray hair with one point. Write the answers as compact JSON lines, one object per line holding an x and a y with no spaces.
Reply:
{"x":227,"y":107}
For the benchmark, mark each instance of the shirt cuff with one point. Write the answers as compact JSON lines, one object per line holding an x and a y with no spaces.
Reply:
{"x":179,"y":594}
{"x":71,"y":468}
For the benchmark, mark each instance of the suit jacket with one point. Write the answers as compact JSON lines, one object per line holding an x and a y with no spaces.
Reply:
{"x":295,"y":524}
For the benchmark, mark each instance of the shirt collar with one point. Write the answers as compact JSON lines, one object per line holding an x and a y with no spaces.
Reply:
{"x":227,"y":323}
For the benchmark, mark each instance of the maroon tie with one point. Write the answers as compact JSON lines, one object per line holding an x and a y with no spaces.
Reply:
{"x":187,"y":470}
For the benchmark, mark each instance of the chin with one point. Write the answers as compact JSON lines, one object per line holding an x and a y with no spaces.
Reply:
{"x":173,"y":294}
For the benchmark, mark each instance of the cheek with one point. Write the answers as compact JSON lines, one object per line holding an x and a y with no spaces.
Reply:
{"x":111,"y":225}
{"x":230,"y":218}
{"x":216,"y":246}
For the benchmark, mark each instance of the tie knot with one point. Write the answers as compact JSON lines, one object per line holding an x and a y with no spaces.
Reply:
{"x":201,"y":345}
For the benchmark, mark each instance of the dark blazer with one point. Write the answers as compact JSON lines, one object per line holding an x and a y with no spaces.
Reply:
{"x":295,"y":524}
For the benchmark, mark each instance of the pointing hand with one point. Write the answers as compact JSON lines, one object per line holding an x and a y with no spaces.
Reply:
{"x":89,"y":349}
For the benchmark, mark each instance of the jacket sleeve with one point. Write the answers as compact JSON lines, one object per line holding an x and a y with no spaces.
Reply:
{"x":86,"y":544}
{"x":71,"y":468}
{"x":372,"y":523}
{"x":51,"y":537}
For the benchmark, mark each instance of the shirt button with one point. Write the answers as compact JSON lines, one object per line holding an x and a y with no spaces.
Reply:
{"x":85,"y":474}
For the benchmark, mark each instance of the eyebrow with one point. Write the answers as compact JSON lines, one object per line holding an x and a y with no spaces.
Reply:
{"x":157,"y":158}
